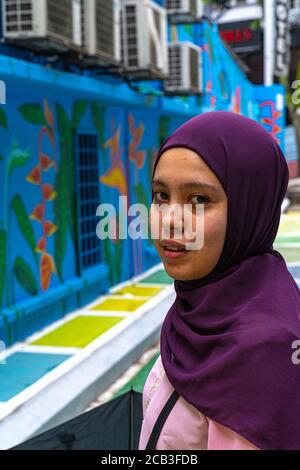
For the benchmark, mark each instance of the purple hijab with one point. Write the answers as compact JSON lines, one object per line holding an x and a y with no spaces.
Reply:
{"x":226,"y":342}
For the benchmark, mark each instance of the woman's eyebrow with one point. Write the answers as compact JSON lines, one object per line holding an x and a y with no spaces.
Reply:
{"x":188,"y":185}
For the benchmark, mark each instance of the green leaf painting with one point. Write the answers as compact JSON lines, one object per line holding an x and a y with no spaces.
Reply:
{"x":118,"y":257}
{"x":33,"y":113}
{"x":3,"y":121}
{"x":108,"y":259}
{"x":142,"y":198}
{"x":98,"y":116}
{"x":189,"y":28}
{"x":211,"y":47}
{"x":65,"y":203}
{"x":25,"y":276}
{"x":141,"y":195}
{"x":78,"y":111}
{"x":60,"y":217}
{"x":24,"y":223}
{"x":17,"y":157}
{"x":164,"y":124}
{"x":150,"y":161}
{"x":2,"y":263}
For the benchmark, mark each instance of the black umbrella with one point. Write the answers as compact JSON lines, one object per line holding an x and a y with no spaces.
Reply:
{"x":115,"y":425}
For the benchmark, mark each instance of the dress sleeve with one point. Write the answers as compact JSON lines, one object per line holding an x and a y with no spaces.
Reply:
{"x":222,"y":438}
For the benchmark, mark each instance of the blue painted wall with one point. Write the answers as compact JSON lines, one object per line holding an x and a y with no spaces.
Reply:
{"x":40,"y":278}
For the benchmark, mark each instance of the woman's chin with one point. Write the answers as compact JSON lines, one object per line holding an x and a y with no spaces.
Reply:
{"x":177,"y":272}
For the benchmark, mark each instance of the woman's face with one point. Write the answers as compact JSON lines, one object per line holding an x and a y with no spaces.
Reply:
{"x":177,"y":181}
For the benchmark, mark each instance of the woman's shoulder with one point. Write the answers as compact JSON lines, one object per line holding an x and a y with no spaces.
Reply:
{"x":152,"y":382}
{"x":193,"y":424}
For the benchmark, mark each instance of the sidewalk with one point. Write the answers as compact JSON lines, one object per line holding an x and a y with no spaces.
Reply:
{"x":57,"y":372}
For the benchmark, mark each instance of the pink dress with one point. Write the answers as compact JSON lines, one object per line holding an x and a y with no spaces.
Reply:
{"x":186,"y":428}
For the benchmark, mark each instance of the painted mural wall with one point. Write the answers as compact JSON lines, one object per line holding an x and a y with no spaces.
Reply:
{"x":39,"y":218}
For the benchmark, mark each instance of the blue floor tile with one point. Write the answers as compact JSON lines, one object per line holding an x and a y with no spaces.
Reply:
{"x":22,"y":369}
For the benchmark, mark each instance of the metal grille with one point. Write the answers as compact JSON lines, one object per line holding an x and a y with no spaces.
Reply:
{"x":87,"y":174}
{"x":194,"y":68}
{"x":105,"y":26}
{"x":174,"y":4}
{"x":60,"y":18}
{"x":18,"y":15}
{"x":174,"y":67}
{"x":193,"y":7}
{"x":82,"y":22}
{"x":131,"y":35}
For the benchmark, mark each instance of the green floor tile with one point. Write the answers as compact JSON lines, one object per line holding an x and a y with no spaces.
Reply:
{"x":127,"y":305}
{"x":160,"y":277}
{"x":287,"y":239}
{"x":291,"y":255}
{"x":288,"y":223}
{"x":138,"y":290}
{"x":78,"y":332}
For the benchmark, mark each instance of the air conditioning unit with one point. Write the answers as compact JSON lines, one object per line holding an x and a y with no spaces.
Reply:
{"x":185,"y":9}
{"x":185,"y":67}
{"x":43,"y":24}
{"x":144,"y":46}
{"x":101,"y":30}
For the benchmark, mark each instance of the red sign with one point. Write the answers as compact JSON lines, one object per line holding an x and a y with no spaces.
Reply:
{"x":239,"y":35}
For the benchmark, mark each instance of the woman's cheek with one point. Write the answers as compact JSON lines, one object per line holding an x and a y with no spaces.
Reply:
{"x":212,"y":227}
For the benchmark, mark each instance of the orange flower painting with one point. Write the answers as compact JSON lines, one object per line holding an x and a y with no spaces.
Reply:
{"x":115,"y":176}
{"x":47,"y":265}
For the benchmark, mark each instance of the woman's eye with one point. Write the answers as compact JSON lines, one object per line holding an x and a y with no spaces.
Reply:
{"x":199,"y":201}
{"x":156,"y":197}
{"x":161,"y":196}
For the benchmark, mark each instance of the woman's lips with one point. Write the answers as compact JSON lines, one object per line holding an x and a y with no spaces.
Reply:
{"x":174,"y":254}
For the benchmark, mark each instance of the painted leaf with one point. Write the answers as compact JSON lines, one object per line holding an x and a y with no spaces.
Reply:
{"x":189,"y":30}
{"x":33,"y":113}
{"x":110,"y":260}
{"x":17,"y":158}
{"x":164,"y":123}
{"x":3,"y":121}
{"x":142,"y":198}
{"x":78,"y":111}
{"x":211,"y":48}
{"x":60,"y":217}
{"x":98,"y":115}
{"x":25,"y":276}
{"x":68,"y":166}
{"x":24,"y":223}
{"x":222,"y":83}
{"x":62,"y":188}
{"x":2,"y":263}
{"x":118,"y":257}
{"x":150,"y":163}
{"x":141,"y":195}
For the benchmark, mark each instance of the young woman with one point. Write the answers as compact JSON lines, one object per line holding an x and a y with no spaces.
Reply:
{"x":227,"y":342}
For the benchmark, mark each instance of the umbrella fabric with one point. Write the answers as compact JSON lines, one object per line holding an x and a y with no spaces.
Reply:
{"x":115,"y":425}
